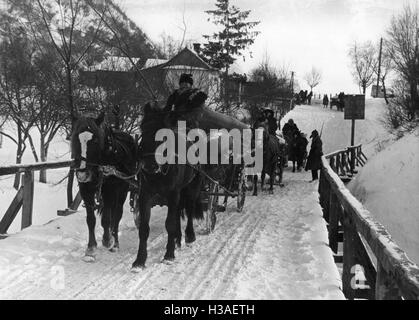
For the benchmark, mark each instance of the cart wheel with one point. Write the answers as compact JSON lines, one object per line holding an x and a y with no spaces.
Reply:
{"x":212,"y":208}
{"x":241,"y":192}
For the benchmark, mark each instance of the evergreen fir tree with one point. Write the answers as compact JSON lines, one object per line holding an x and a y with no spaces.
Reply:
{"x":224,"y":46}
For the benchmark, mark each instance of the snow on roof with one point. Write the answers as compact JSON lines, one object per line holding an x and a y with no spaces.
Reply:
{"x":115,"y":63}
{"x":184,"y":67}
{"x":154,"y":62}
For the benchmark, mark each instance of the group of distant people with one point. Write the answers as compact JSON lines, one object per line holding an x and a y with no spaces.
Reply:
{"x":298,"y":148}
{"x":337,"y":101}
{"x":303,"y":97}
{"x":297,"y":143}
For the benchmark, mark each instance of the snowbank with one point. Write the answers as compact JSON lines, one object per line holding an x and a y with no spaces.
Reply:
{"x":388,"y":186}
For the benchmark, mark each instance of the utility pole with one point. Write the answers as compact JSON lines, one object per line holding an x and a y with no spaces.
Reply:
{"x":379,"y":67}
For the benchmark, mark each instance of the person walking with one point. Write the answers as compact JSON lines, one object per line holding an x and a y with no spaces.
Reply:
{"x":309,"y":97}
{"x":325,"y":101}
{"x":314,"y":157}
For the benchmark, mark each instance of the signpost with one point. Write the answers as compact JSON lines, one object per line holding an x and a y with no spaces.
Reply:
{"x":354,"y":106}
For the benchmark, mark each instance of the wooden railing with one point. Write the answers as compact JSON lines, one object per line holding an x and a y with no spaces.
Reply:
{"x":24,"y":197}
{"x":367,"y":247}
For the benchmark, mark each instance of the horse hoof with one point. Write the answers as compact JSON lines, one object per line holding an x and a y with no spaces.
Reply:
{"x":89,"y":259}
{"x":168,"y":262}
{"x":282,"y":185}
{"x":137,"y":269}
{"x":109,"y":244}
{"x":190,"y":239}
{"x":271,"y":192}
{"x":114,"y":249}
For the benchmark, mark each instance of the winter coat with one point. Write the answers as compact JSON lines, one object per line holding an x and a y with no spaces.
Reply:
{"x":188,"y":99}
{"x":289,"y":129}
{"x":314,"y":161}
{"x":272,"y":125}
{"x":325,"y":101}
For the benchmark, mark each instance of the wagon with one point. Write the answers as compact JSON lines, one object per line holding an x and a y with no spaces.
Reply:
{"x":222,"y":183}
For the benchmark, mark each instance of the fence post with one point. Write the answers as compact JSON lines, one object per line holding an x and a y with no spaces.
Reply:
{"x":338,"y":164}
{"x":348,"y":256}
{"x":332,"y":164}
{"x":385,"y":288}
{"x":28,"y":191}
{"x":334,"y":221}
{"x":324,"y":195}
{"x":70,"y":187}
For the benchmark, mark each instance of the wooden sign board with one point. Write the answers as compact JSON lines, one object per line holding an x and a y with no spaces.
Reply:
{"x":354,"y":107}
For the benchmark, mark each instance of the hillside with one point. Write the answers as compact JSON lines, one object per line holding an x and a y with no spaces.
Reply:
{"x":58,"y":14}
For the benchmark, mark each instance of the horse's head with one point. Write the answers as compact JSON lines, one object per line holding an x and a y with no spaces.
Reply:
{"x":87,"y":146}
{"x":153,"y":120}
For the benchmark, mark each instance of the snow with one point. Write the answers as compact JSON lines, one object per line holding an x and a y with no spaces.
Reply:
{"x":115,"y":63}
{"x":396,"y":205}
{"x":275,"y":249}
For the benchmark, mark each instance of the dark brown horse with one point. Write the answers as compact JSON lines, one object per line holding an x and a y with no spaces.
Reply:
{"x":271,"y":161}
{"x":297,"y":150}
{"x":176,"y":185}
{"x":95,"y":145}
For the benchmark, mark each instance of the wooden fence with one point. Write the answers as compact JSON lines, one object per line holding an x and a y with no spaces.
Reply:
{"x":24,"y":197}
{"x":368,"y":249}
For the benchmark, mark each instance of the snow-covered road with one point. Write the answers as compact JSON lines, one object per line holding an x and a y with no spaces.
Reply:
{"x":275,"y":249}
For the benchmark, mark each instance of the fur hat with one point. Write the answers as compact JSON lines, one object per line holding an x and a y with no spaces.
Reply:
{"x":315,"y":133}
{"x":185,"y":77}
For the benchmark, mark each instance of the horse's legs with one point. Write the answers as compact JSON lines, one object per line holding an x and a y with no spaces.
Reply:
{"x":87,"y":192}
{"x":172,"y":214}
{"x":179,"y":230}
{"x":281,"y":173}
{"x":189,"y":231}
{"x":255,"y":185}
{"x":143,"y":230}
{"x":118,"y":212}
{"x":272,"y":179}
{"x":262,"y":178}
{"x":108,"y":196}
{"x":91,"y":224}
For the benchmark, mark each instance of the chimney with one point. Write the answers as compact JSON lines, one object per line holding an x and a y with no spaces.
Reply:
{"x":197,"y":48}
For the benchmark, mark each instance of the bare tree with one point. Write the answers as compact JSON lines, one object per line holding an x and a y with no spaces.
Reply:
{"x":73,"y":33}
{"x":363,"y":59}
{"x":313,"y":78}
{"x":17,"y":93}
{"x":403,"y":49}
{"x":267,"y":85}
{"x":386,"y":66}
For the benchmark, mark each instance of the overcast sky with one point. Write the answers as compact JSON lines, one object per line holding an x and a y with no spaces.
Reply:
{"x":296,"y":33}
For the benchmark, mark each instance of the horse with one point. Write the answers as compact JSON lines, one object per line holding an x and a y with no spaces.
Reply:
{"x":271,"y":159}
{"x":297,"y":150}
{"x":176,"y":185}
{"x":94,"y":146}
